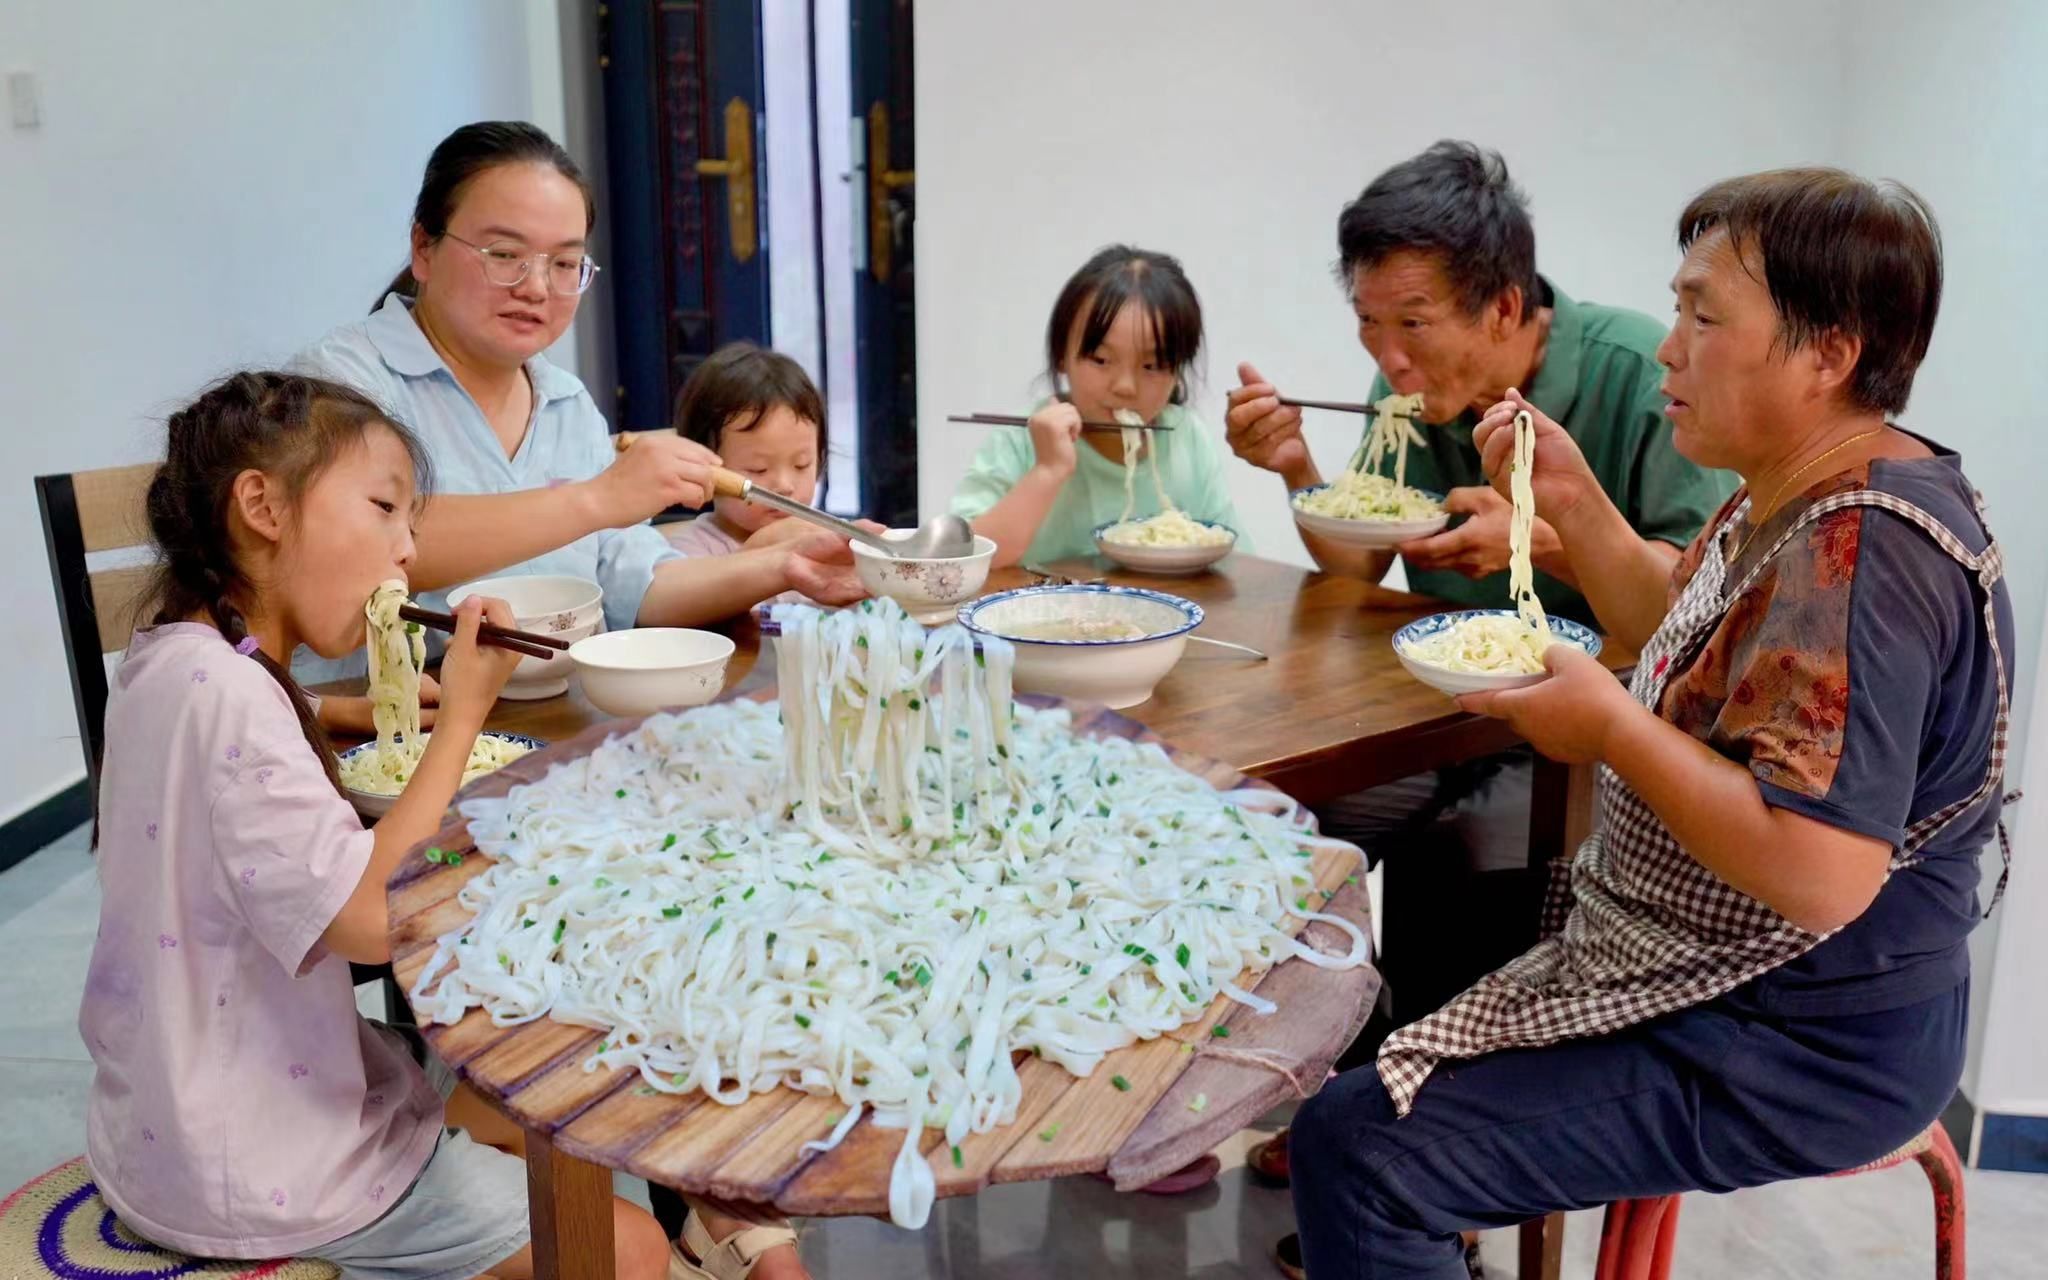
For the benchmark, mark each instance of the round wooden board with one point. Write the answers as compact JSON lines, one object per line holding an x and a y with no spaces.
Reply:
{"x":609,"y":1116}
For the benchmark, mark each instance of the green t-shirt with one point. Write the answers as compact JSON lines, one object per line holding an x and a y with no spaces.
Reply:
{"x":1598,"y":381}
{"x":1190,"y":465}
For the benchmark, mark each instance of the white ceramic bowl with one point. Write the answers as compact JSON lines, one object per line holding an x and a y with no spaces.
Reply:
{"x":1165,"y":560}
{"x":645,"y":669}
{"x":558,"y":605}
{"x":1562,"y":630}
{"x":1116,"y":673}
{"x":923,"y":587}
{"x":1374,"y":534}
{"x":370,"y":806}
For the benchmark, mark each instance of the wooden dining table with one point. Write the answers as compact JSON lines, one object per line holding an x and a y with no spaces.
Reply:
{"x":1329,"y":712}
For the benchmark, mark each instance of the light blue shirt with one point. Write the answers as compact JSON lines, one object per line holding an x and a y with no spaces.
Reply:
{"x":387,"y":358}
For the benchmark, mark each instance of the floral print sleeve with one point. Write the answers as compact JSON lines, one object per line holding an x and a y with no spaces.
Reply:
{"x":1821,"y":677}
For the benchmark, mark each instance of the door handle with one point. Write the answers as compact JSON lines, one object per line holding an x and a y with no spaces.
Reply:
{"x":737,"y":169}
{"x":881,"y":181}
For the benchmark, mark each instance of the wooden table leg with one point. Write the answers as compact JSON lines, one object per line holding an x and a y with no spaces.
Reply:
{"x":570,"y":1201}
{"x":1560,"y":810}
{"x":1542,"y":1248}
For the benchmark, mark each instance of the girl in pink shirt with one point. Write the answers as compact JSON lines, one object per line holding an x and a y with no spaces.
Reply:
{"x":240,"y":1106}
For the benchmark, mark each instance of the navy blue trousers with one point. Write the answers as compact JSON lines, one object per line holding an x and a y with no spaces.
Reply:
{"x":1708,"y":1099}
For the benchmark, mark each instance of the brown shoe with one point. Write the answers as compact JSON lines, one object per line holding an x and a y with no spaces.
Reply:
{"x":1268,"y":1160}
{"x":1287,"y":1257}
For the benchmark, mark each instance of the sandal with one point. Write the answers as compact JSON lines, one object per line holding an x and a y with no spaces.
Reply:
{"x":732,"y":1258}
{"x":1268,"y":1160}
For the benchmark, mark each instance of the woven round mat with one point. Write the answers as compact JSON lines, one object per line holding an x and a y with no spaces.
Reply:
{"x":58,"y":1227}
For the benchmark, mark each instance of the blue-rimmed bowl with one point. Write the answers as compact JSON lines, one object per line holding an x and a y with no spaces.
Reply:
{"x":1116,"y":671}
{"x":1147,"y":558}
{"x":1377,"y":535}
{"x":1562,"y":631}
{"x":371,"y":805}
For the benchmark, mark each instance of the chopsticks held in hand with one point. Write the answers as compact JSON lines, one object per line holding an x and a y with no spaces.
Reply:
{"x":1013,"y":420}
{"x":1334,"y":406}
{"x":532,"y":644}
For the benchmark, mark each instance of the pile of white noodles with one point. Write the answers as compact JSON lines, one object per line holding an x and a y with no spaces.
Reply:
{"x":1360,"y":491}
{"x":1491,"y":644}
{"x":398,"y":652}
{"x":1171,"y":527}
{"x":881,"y":892}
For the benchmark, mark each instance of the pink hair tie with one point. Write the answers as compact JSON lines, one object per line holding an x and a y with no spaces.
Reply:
{"x":246,"y":645}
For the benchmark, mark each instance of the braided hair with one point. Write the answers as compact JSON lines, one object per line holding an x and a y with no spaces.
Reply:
{"x":285,"y":425}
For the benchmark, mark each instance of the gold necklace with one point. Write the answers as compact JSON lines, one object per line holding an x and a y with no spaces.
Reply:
{"x":1756,"y":523}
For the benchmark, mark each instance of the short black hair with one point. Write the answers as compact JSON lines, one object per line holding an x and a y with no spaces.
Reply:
{"x":1455,"y":202}
{"x":1838,"y":252}
{"x":1118,"y":275}
{"x":737,"y":386}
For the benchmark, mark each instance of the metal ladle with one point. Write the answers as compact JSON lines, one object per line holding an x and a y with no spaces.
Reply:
{"x":941,"y":537}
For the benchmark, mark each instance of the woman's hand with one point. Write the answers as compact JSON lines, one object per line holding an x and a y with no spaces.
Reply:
{"x":1560,"y":478}
{"x":657,"y":471}
{"x":1570,"y":717}
{"x":820,"y":565}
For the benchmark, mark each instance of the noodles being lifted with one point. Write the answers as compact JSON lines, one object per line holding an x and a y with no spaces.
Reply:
{"x":884,"y":897}
{"x":1171,"y":527}
{"x":398,"y":652}
{"x":1360,"y":492}
{"x":1491,"y":644}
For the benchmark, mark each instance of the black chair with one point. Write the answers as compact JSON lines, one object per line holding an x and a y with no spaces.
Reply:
{"x":96,"y":511}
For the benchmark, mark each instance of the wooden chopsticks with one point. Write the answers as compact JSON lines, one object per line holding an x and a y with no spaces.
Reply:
{"x":532,"y":644}
{"x":1013,"y":420}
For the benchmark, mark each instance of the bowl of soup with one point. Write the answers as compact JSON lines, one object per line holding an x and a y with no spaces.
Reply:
{"x":1089,"y":642}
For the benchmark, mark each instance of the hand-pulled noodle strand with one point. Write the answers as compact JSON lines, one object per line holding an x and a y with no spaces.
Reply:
{"x":1360,"y":491}
{"x":880,"y":887}
{"x":397,"y":654}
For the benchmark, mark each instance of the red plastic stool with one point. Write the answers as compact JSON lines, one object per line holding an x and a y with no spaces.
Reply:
{"x":1637,"y":1237}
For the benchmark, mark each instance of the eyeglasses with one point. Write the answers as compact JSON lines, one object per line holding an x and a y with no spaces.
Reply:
{"x":567,"y":274}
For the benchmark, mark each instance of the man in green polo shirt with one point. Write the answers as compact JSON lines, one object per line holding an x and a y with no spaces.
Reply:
{"x":1440,"y":257}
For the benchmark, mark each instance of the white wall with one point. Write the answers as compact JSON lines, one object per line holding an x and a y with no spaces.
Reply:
{"x":213,"y":184}
{"x":1231,"y":138}
{"x":1951,"y":102}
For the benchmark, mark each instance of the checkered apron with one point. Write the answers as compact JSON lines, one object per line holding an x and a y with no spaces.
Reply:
{"x":1635,"y":927}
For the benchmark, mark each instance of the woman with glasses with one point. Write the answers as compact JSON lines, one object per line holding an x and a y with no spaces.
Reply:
{"x":527,"y":479}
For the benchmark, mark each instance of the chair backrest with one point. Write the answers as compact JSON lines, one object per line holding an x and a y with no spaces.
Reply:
{"x":84,"y":512}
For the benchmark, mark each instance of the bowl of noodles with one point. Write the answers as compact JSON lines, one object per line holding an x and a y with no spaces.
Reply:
{"x":1484,"y":650}
{"x":373,"y":783}
{"x":1171,"y":542}
{"x":1087,"y":641}
{"x":1361,"y":509}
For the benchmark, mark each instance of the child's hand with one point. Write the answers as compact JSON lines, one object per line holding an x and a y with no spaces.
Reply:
{"x":472,"y":674}
{"x":656,"y":472}
{"x":1054,"y":431}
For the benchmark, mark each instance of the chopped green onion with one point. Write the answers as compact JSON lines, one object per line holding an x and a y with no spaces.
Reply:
{"x":561,"y":927}
{"x":715,"y":926}
{"x":1122,"y":1085}
{"x":1200,"y":1104}
{"x":554,"y":880}
{"x":620,"y":794}
{"x":1181,"y":955}
{"x":959,"y":1161}
{"x":803,"y":1022}
{"x":670,"y":913}
{"x":1049,"y":1133}
{"x":669,"y":842}
{"x":923,"y":976}
{"x":1221,"y":1033}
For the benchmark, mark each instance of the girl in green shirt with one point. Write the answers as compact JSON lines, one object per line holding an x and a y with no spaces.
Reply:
{"x":1124,"y":334}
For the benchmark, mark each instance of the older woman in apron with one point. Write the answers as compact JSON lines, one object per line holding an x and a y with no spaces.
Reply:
{"x":1757,"y":968}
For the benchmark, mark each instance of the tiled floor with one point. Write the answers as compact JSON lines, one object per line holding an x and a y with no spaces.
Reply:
{"x":1872,"y":1227}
